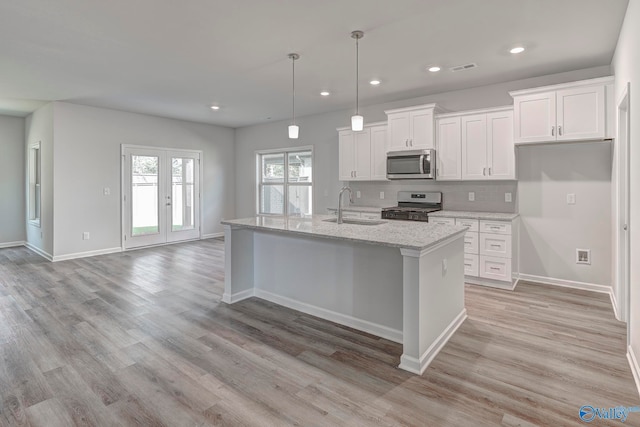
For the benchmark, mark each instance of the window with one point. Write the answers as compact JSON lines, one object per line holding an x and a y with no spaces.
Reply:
{"x":34,"y":183}
{"x":285,"y":182}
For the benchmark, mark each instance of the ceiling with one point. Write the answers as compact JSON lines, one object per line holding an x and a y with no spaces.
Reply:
{"x":177,"y":58}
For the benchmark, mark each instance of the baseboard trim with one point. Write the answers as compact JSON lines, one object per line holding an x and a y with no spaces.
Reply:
{"x":491,"y":283}
{"x":635,"y":369}
{"x":614,"y":304}
{"x":567,"y":283}
{"x":212,"y":235}
{"x":39,"y":251}
{"x":238,"y":296}
{"x":343,"y":319}
{"x":418,"y":366}
{"x":86,"y":254}
{"x":12,"y":244}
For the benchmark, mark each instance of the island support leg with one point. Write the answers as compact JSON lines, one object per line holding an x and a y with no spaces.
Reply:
{"x":238,"y":264}
{"x":433,"y":301}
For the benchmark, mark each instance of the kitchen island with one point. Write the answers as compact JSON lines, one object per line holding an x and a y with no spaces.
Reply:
{"x":400,"y":280}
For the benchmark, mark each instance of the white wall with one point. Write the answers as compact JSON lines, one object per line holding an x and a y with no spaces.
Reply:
{"x":12,"y":176}
{"x":320,"y":131}
{"x":550,"y":229}
{"x":87,"y":159}
{"x":39,"y":127}
{"x":626,"y":64}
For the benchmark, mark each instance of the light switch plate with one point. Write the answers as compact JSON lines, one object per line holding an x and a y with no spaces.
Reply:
{"x":106,"y":191}
{"x":472,"y":196}
{"x":571,"y":199}
{"x":507,"y":197}
{"x":382,"y":194}
{"x":86,"y":235}
{"x":358,"y":194}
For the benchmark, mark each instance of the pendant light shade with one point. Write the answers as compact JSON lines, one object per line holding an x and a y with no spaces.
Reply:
{"x":294,"y":130}
{"x":357,"y":121}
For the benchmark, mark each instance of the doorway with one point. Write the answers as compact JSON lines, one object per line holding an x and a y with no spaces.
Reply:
{"x":161,"y":196}
{"x":622,"y":208}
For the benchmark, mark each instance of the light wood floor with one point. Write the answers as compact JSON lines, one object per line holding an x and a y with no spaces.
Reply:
{"x":140,"y":338}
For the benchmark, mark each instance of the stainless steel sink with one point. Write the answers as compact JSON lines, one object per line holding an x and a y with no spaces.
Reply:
{"x":357,"y":221}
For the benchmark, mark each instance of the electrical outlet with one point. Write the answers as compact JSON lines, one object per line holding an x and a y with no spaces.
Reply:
{"x":507,"y":197}
{"x":472,"y":196}
{"x":571,"y":199}
{"x":444,"y":266}
{"x":85,"y":235}
{"x":106,"y":191}
{"x":358,"y":194}
{"x":583,"y":256}
{"x":382,"y":194}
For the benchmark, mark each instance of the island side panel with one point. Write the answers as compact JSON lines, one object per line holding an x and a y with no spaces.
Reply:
{"x":355,"y":284}
{"x":238,"y":267}
{"x":433,"y":300}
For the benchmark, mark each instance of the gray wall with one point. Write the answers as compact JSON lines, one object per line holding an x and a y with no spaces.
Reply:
{"x":12,"y":181}
{"x":626,"y":63}
{"x":39,"y":127}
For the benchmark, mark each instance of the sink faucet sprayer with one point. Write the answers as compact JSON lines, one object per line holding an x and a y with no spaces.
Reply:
{"x":340,"y":202}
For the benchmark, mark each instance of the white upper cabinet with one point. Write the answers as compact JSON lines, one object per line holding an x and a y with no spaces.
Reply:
{"x":362,"y":155}
{"x":379,"y":152}
{"x":411,"y":128}
{"x":476,"y":145}
{"x":448,"y":150}
{"x":579,"y":111}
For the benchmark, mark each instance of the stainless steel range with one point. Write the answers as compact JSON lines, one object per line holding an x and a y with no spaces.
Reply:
{"x":414,"y":205}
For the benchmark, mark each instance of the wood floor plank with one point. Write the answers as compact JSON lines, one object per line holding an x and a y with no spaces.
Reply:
{"x":141,"y":338}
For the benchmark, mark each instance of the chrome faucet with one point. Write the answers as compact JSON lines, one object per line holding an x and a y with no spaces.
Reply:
{"x":340,"y":202}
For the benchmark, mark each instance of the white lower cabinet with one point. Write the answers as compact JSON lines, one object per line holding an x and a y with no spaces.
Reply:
{"x":490,"y":250}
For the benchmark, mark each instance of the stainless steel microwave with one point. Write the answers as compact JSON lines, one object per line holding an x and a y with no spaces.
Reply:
{"x":413,"y":164}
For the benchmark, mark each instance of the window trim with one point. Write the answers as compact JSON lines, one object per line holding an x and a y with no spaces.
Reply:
{"x":35,"y":180}
{"x":285,"y":183}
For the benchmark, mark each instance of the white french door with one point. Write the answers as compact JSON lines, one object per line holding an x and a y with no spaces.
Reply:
{"x":161,"y":196}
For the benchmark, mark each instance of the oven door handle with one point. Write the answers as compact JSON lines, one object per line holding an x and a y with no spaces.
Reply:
{"x":422,"y":172}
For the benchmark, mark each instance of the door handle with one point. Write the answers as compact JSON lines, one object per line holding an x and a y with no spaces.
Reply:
{"x":560,"y":130}
{"x":489,"y":171}
{"x":553,"y":131}
{"x":484,"y":171}
{"x":624,"y":227}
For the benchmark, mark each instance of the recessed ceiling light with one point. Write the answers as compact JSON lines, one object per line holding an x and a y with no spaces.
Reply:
{"x":374,"y":82}
{"x":325,"y":93}
{"x":215,"y":107}
{"x":518,"y":49}
{"x":434,"y":69}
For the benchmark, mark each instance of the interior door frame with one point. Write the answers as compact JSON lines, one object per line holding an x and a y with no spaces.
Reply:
{"x":622,"y":224}
{"x":123,"y":190}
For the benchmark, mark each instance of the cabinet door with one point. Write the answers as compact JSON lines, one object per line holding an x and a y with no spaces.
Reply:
{"x":346,"y":155}
{"x":399,"y":131}
{"x":501,"y":156}
{"x":535,"y":118}
{"x":379,"y":153}
{"x":474,"y":147}
{"x":449,"y":143}
{"x":421,"y":129}
{"x":362,"y":155}
{"x":580,"y":113}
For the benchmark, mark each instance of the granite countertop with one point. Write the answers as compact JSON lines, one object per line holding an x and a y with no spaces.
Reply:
{"x":491,"y":216}
{"x":367,"y":209}
{"x":400,"y":234}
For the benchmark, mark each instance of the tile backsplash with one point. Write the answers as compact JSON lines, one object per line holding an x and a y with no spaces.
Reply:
{"x":489,"y":196}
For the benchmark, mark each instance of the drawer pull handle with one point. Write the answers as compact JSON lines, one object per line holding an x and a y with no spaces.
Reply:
{"x":496,"y":246}
{"x":494,"y":227}
{"x":494,"y":268}
{"x":467,"y":265}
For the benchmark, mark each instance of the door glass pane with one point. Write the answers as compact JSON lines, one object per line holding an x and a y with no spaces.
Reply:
{"x":300,"y":166}
{"x":272,"y":199}
{"x":144,"y":195}
{"x":182,"y":194}
{"x":272,"y":168}
{"x":299,"y":200}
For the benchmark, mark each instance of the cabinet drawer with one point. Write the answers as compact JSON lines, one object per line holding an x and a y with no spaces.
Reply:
{"x":471,"y":242}
{"x":498,"y":227}
{"x":471,"y":223}
{"x":495,"y":268}
{"x":442,"y":221}
{"x":370,"y":215}
{"x":498,"y":245}
{"x":471,"y":265}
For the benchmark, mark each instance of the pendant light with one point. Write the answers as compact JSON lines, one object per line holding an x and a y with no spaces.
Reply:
{"x":294,"y":130}
{"x":357,"y":121}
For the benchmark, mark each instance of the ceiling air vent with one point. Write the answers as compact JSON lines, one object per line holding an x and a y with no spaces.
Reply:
{"x":464,"y":67}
